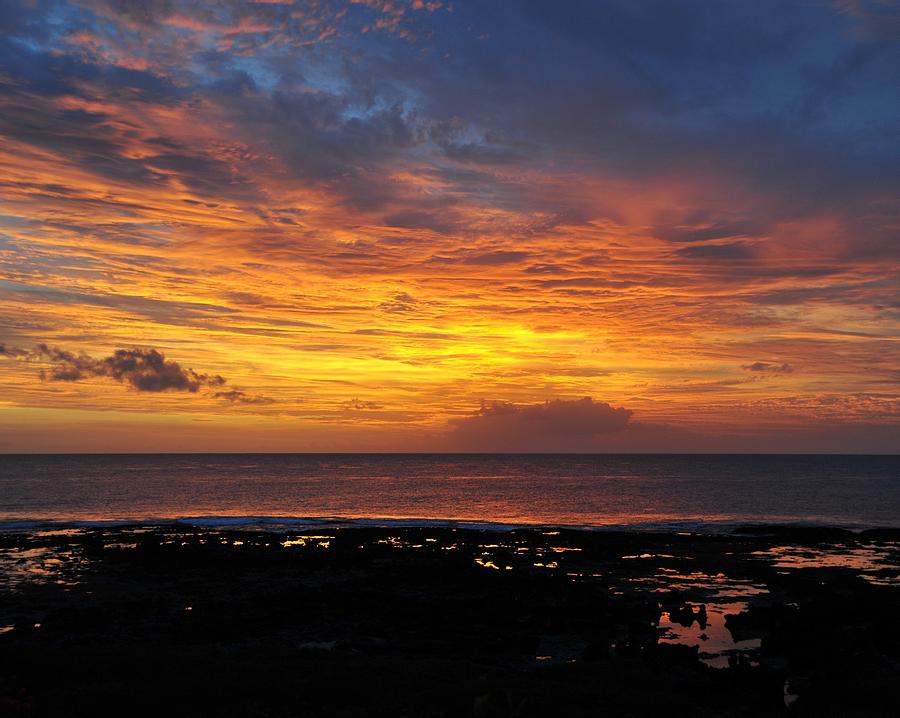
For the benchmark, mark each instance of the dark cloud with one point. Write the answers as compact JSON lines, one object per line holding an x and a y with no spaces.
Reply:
{"x":499,"y":257}
{"x":437,"y":221}
{"x":12,"y":351}
{"x":704,"y":232}
{"x":143,"y":369}
{"x":339,"y":141}
{"x":591,"y":282}
{"x":735,"y":250}
{"x":545,"y":269}
{"x":554,"y":425}
{"x":769,"y":367}
{"x":875,"y":19}
{"x":788,"y":102}
{"x":104,"y":145}
{"x":400,"y":303}
{"x":686,"y":91}
{"x":479,"y":153}
{"x":358,"y":405}
{"x":138,"y":12}
{"x":238,"y":396}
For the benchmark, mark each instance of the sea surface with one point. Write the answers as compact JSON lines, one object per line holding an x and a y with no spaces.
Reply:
{"x":636,"y":491}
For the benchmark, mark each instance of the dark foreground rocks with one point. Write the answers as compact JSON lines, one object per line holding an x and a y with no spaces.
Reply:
{"x":439,"y":622}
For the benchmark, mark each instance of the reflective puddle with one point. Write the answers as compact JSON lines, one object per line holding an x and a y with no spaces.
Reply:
{"x":876,"y":563}
{"x":704,"y":626}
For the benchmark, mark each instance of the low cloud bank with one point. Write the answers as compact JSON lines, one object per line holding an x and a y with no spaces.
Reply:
{"x":590,"y":426}
{"x":557,"y":425}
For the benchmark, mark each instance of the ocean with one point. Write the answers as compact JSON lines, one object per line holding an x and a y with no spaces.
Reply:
{"x":695,"y":492}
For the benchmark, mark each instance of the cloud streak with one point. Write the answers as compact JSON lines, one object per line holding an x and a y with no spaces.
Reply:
{"x":768,"y":367}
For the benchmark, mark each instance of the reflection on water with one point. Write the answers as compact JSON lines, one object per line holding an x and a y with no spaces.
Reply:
{"x":790,"y":697}
{"x":674,"y":492}
{"x":703,"y":624}
{"x":705,"y":628}
{"x":876,"y":563}
{"x":714,"y":586}
{"x":308,"y":540}
{"x":40,"y":564}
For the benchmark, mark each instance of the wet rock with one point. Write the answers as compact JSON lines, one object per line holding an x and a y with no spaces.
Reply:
{"x":686,"y":615}
{"x":673,"y":653}
{"x":321,"y":646}
{"x":672,"y":599}
{"x":701,"y":616}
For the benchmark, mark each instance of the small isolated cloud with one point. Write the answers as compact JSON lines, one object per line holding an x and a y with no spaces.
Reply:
{"x":358,"y":405}
{"x":437,"y":221}
{"x":708,"y":232}
{"x":143,"y":369}
{"x":494,"y":258}
{"x":554,"y":425}
{"x":239,"y":396}
{"x":399,"y":303}
{"x":734,"y":250}
{"x":768,"y":367}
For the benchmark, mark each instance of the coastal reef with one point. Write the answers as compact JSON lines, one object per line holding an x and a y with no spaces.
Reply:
{"x":445,"y":621}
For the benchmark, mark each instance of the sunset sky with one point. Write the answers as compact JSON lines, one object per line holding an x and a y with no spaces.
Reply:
{"x":627,"y":225}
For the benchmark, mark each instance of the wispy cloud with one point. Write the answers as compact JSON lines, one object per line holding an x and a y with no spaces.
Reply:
{"x":424,"y":203}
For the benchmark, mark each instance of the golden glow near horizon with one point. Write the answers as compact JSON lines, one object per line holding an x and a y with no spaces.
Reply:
{"x":372,"y":292}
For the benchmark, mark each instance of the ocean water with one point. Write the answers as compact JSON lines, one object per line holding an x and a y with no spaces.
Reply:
{"x":640,"y":491}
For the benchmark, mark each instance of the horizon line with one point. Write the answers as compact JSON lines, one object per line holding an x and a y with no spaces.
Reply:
{"x":445,"y":453}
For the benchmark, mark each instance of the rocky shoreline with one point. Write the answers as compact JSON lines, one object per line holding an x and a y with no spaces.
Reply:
{"x":442,"y":621}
